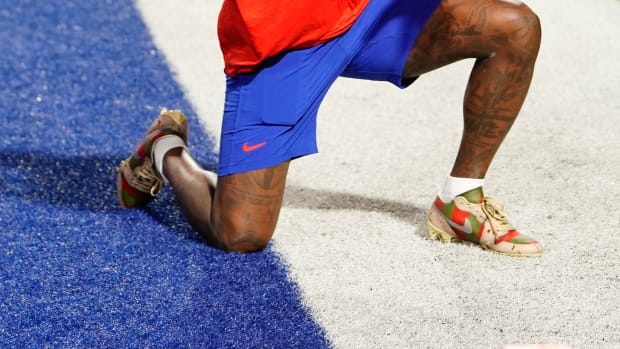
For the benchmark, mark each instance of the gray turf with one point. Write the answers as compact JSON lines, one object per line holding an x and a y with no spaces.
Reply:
{"x":353,"y":226}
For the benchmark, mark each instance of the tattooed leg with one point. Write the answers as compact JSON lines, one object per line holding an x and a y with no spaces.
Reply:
{"x":247,"y":206}
{"x":504,"y":38}
{"x":240,"y":215}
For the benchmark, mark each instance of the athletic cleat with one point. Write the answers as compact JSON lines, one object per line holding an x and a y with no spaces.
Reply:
{"x":138,"y":180}
{"x":472,"y":217}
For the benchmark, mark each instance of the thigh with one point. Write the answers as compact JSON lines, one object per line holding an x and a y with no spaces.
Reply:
{"x":460,"y":29}
{"x":387,"y":31}
{"x":246,"y":207}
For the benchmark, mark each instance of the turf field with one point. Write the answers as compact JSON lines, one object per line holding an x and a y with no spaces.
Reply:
{"x":350,"y":266}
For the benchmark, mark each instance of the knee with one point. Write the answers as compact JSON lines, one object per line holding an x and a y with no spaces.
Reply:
{"x":518,"y":26}
{"x":243,"y":241}
{"x":231,"y":238}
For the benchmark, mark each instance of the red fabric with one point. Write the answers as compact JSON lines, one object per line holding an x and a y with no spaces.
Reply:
{"x":251,"y":31}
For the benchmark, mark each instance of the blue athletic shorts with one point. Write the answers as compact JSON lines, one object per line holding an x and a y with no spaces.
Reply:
{"x":270,"y":114}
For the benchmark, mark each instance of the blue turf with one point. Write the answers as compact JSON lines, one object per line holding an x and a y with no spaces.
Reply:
{"x":80,"y":82}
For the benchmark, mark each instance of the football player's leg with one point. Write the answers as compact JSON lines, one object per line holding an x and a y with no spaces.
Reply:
{"x":239,"y":214}
{"x":504,"y":38}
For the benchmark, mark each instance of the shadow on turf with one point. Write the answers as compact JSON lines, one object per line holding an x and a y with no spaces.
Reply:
{"x":84,"y":183}
{"x":301,"y":197}
{"x":78,"y":182}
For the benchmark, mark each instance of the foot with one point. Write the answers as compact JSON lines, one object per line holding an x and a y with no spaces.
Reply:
{"x":474,"y":218}
{"x":138,"y":180}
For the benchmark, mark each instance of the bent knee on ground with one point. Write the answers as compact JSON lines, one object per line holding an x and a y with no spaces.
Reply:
{"x":246,"y":208}
{"x":231,"y":239}
{"x":244,"y":240}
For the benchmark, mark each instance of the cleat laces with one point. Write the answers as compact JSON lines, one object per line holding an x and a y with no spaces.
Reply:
{"x":493,"y":209}
{"x":146,"y":180}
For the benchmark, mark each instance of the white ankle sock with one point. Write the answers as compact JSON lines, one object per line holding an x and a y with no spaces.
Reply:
{"x":457,"y":185}
{"x":161,"y":147}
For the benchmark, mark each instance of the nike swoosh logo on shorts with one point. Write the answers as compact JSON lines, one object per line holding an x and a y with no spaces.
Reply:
{"x":248,"y":148}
